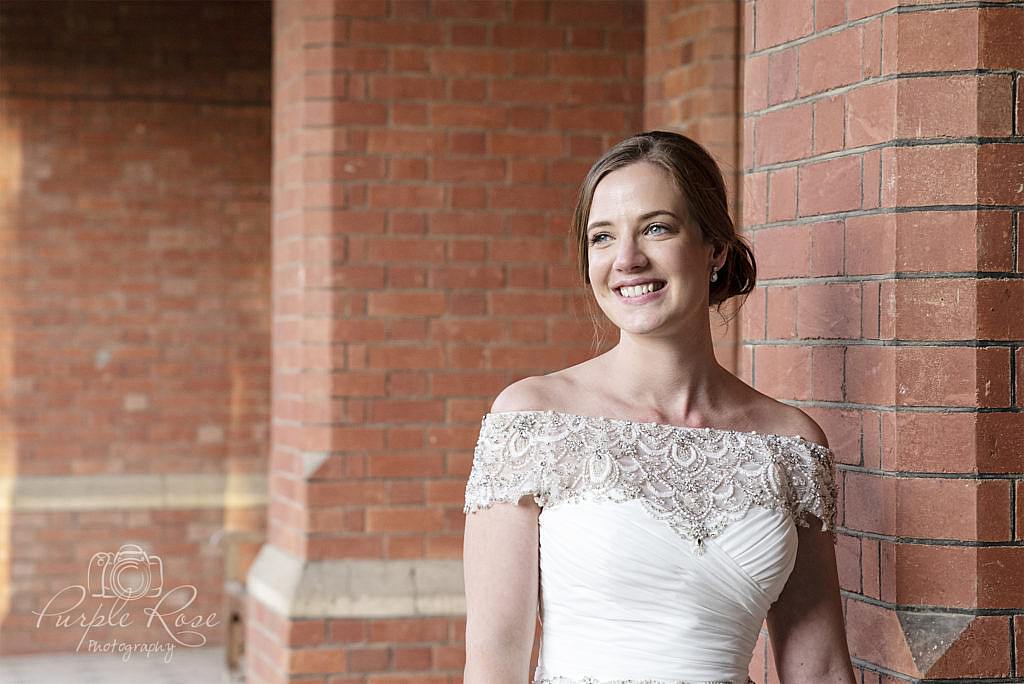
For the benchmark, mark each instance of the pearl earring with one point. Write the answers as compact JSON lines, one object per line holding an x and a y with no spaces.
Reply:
{"x":714,"y":275}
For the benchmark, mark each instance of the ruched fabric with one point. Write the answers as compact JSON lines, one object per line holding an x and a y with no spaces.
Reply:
{"x":625,"y":598}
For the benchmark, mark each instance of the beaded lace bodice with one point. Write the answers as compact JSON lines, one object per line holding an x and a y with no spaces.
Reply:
{"x":698,"y":480}
{"x":636,"y":538}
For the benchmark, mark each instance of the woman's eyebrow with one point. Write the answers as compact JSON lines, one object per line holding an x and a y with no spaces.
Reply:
{"x":643,"y":217}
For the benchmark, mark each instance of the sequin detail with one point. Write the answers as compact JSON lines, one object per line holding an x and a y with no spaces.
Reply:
{"x":698,"y":480}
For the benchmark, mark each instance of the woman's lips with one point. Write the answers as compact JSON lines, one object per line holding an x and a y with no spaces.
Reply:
{"x":642,"y":299}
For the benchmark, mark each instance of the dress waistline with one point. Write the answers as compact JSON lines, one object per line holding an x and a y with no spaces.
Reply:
{"x":592,"y":680}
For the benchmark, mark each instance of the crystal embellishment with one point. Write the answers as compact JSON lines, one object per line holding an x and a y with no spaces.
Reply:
{"x":698,"y":480}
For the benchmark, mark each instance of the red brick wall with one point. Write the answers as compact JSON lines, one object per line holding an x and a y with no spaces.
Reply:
{"x":135,"y":317}
{"x":882,"y":182}
{"x":426,"y":158}
{"x":692,"y":74}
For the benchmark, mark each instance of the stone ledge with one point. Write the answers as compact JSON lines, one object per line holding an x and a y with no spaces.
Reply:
{"x":96,"y":492}
{"x":358,"y":588}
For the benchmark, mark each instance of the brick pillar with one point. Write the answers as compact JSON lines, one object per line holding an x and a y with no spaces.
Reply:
{"x":692,"y":85}
{"x":884,"y":174}
{"x":426,"y":155}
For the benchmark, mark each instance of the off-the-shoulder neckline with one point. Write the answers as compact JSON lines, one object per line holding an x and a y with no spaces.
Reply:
{"x":669,"y":426}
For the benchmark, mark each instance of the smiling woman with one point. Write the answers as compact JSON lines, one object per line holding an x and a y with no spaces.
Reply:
{"x":668,"y":508}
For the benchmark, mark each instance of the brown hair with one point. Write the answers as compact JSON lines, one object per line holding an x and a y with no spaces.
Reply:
{"x":700,"y":181}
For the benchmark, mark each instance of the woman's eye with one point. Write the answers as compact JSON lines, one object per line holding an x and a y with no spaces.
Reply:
{"x":596,"y":238}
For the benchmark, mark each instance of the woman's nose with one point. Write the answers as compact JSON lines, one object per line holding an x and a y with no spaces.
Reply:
{"x":628,"y":254}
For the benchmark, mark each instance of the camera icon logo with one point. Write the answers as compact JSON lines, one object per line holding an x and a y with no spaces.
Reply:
{"x":129,"y":574}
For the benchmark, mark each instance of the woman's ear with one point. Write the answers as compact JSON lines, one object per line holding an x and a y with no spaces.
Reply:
{"x":720,"y":255}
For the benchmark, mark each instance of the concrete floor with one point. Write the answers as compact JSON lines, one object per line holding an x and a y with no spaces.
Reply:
{"x":187,"y":666}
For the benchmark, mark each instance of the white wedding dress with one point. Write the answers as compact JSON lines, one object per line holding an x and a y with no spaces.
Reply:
{"x":662,"y":547}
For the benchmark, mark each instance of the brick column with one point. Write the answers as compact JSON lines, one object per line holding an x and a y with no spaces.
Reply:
{"x":883,"y":182}
{"x":425,"y":158}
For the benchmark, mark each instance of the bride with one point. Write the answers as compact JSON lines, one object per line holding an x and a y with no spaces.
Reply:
{"x":653,"y":507}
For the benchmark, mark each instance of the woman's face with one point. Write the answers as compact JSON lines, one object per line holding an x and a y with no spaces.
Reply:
{"x":638,"y":232}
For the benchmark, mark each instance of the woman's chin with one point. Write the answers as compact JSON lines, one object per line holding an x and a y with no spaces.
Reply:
{"x":639,"y":322}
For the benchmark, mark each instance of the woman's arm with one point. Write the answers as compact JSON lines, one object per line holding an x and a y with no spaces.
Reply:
{"x":500,"y":565}
{"x":805,"y":623}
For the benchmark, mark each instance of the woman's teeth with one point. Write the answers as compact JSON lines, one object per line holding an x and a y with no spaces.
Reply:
{"x":637,"y":290}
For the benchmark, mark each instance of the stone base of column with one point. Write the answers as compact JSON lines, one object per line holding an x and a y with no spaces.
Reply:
{"x":350,"y":618}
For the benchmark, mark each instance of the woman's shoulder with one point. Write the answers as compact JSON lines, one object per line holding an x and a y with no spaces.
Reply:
{"x":522,"y":395}
{"x":534,"y":393}
{"x":777,"y":417}
{"x":752,"y":409}
{"x":503,"y":470}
